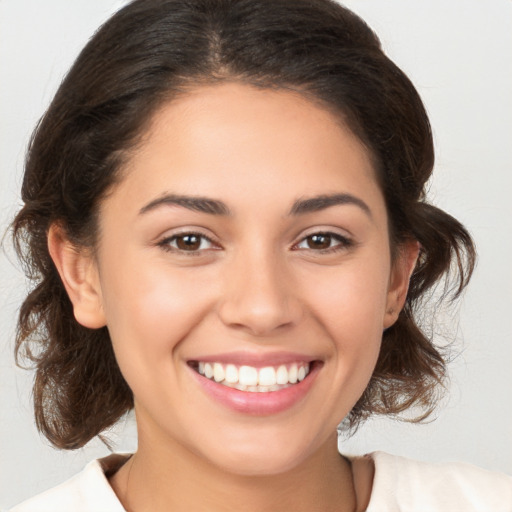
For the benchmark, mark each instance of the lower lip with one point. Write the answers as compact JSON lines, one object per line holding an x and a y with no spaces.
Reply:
{"x":254,"y":403}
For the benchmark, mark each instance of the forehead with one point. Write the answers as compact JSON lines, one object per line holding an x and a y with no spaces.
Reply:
{"x":247,"y":143}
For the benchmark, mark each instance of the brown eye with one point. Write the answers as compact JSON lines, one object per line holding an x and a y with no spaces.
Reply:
{"x":188,"y":242}
{"x":324,"y":242}
{"x":319,"y":241}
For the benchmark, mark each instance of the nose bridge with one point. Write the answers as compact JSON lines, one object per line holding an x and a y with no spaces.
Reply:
{"x":258,"y":294}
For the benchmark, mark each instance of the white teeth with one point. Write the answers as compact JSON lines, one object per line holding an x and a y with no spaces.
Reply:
{"x":249,"y":378}
{"x":292,"y":374}
{"x":208,"y":370}
{"x":231,"y":373}
{"x":267,"y":376}
{"x":218,"y":372}
{"x":282,"y":375}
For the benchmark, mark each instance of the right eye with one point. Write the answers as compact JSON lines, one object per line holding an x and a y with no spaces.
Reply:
{"x":187,"y":242}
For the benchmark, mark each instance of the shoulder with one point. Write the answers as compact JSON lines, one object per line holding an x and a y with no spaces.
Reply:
{"x":88,"y":491}
{"x":402,"y":484}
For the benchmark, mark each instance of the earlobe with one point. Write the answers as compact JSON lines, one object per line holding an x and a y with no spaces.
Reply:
{"x":79,"y":274}
{"x":401,"y":273}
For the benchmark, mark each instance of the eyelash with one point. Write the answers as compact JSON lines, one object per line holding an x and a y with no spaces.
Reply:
{"x":165,"y":244}
{"x":343,"y":243}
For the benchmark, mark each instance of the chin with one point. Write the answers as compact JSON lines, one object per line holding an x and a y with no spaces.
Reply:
{"x":263,"y":454}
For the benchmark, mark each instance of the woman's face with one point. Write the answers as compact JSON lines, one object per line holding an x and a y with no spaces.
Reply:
{"x":246,"y":246}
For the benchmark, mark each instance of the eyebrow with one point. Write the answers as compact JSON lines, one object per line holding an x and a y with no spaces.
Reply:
{"x":216,"y":207}
{"x":197,"y":204}
{"x":318,"y":203}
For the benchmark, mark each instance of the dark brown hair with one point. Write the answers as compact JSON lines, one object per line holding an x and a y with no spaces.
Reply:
{"x":149,"y":52}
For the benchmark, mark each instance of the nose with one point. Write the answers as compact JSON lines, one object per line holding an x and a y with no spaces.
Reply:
{"x":259,"y":295}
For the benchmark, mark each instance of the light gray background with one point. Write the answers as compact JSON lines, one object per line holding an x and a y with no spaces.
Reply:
{"x":458,"y":53}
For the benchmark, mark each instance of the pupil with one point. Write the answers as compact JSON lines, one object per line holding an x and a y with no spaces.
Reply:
{"x":319,"y":241}
{"x":188,"y":242}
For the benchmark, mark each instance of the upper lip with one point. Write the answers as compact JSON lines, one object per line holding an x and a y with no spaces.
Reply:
{"x":255,"y":359}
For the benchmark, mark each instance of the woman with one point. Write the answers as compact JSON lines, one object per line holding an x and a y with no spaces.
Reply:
{"x":225,"y":215}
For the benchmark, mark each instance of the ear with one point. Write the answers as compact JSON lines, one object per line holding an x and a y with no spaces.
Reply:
{"x":79,"y":274}
{"x":401,"y":272}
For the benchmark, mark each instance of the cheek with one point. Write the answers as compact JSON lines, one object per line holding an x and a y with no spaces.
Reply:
{"x":351,"y":300}
{"x":350,"y":305}
{"x":149,"y":310}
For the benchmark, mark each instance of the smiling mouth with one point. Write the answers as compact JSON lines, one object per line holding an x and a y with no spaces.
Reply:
{"x":249,"y":378}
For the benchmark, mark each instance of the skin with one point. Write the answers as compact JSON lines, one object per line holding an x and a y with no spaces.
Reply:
{"x":257,"y":151}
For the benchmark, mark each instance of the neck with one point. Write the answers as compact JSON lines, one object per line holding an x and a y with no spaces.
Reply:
{"x":173,"y":478}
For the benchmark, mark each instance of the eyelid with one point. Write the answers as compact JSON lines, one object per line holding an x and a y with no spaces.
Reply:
{"x":344,"y":241}
{"x":165,"y":241}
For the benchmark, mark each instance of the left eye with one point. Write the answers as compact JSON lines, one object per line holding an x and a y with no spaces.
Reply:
{"x":188,"y":242}
{"x":323,"y":241}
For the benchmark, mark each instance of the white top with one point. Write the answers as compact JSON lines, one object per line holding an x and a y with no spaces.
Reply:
{"x":400,"y":485}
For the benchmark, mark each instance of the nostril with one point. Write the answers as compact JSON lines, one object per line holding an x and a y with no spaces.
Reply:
{"x":259,"y":318}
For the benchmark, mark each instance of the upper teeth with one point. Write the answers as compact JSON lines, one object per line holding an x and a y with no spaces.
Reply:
{"x":249,"y":378}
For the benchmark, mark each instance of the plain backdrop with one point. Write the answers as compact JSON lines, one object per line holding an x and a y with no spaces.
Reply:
{"x":459,"y":55}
